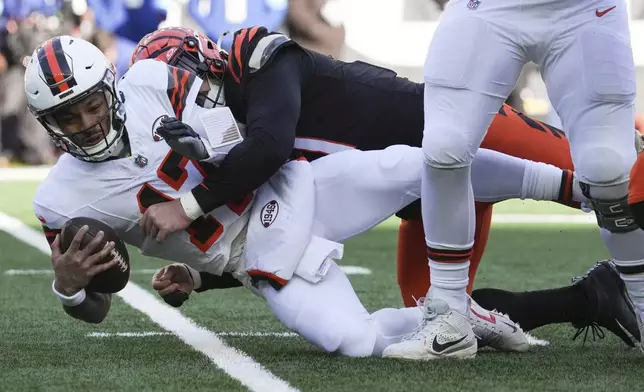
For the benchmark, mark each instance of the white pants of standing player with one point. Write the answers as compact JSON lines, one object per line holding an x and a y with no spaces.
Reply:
{"x":474,"y":60}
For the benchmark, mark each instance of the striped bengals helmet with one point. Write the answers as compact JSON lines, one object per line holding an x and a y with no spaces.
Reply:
{"x":189,"y":50}
{"x":61,"y":73}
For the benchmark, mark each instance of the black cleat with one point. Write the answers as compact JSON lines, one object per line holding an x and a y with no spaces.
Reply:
{"x":613,"y":309}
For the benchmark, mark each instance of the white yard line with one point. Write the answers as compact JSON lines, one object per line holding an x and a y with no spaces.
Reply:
{"x":127,"y":334}
{"x":230,"y":360}
{"x":157,"y":333}
{"x":348,"y":269}
{"x":528,"y":219}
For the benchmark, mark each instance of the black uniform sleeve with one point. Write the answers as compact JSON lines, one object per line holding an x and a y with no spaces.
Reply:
{"x":210,"y":281}
{"x":273,"y":100}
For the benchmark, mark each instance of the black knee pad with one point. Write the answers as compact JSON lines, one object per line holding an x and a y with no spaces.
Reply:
{"x":613,"y":215}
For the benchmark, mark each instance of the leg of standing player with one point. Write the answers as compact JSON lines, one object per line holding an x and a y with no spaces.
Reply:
{"x":411,"y":259}
{"x":599,"y":117}
{"x":511,"y":133}
{"x":472,"y":66}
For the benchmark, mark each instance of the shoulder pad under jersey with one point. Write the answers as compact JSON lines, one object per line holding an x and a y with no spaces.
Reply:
{"x":253,"y":48}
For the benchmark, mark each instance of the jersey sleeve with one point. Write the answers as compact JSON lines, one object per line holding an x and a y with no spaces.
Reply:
{"x":151,"y":81}
{"x":52,"y":221}
{"x":253,"y":50}
{"x":274,"y":103}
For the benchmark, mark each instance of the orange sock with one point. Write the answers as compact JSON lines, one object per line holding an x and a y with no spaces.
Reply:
{"x":413,"y":268}
{"x":412,"y":265}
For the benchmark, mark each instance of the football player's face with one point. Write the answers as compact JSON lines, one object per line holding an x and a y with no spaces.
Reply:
{"x":86,"y":121}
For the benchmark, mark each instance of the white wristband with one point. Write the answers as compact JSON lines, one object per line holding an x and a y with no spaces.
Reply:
{"x":190,"y":206}
{"x":70,"y":301}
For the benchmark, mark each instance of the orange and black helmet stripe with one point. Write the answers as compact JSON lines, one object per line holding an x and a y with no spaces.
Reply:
{"x":179,"y":84}
{"x":55,"y":68}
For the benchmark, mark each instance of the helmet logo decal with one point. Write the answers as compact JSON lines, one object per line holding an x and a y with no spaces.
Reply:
{"x":55,"y":67}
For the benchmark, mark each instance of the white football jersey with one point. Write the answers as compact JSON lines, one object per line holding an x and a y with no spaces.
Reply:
{"x":118,"y":191}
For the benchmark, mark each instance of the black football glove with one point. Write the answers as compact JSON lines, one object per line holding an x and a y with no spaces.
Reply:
{"x":176,"y":298}
{"x":182,"y":138}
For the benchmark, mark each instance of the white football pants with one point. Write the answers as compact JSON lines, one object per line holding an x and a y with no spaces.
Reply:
{"x":356,"y":190}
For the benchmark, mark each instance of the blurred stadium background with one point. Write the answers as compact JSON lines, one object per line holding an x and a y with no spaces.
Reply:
{"x":375,"y":31}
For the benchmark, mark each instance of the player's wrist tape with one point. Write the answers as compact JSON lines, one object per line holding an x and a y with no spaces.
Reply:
{"x":196,"y":277}
{"x":190,"y":206}
{"x":71,"y":301}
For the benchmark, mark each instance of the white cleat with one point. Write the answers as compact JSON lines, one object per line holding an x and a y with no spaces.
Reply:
{"x":443,"y":333}
{"x":496,"y":330}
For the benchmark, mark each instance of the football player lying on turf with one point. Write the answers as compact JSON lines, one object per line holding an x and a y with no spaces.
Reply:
{"x":116,"y":167}
{"x":291,"y":97}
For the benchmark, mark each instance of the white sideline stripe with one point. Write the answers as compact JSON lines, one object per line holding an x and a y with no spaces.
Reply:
{"x":533,"y":341}
{"x":37,"y":173}
{"x":348,"y":269}
{"x":156,"y":333}
{"x":232,"y":361}
{"x":587,"y":219}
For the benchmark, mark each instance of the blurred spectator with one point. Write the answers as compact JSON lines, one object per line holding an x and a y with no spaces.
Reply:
{"x":216,"y":17}
{"x":23,"y":139}
{"x":142,"y":17}
{"x":306,"y":26}
{"x":120,"y":24}
{"x":117,"y":49}
{"x":441,"y":3}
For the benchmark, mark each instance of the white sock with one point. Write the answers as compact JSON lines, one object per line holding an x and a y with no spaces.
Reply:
{"x":542,"y":181}
{"x":449,"y":220}
{"x":635,"y":287}
{"x":449,"y":282}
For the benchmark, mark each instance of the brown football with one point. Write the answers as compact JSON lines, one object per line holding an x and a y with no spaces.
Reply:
{"x":114,"y":279}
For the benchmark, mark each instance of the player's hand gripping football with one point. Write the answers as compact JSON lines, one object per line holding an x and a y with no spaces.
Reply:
{"x":174,"y":283}
{"x":74,"y":269}
{"x":182,"y":138}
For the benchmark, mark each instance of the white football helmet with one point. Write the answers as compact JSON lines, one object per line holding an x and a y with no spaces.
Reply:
{"x":62,"y":72}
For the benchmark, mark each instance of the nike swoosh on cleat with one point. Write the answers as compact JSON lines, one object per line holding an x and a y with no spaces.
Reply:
{"x":438,"y":347}
{"x":514,"y":327}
